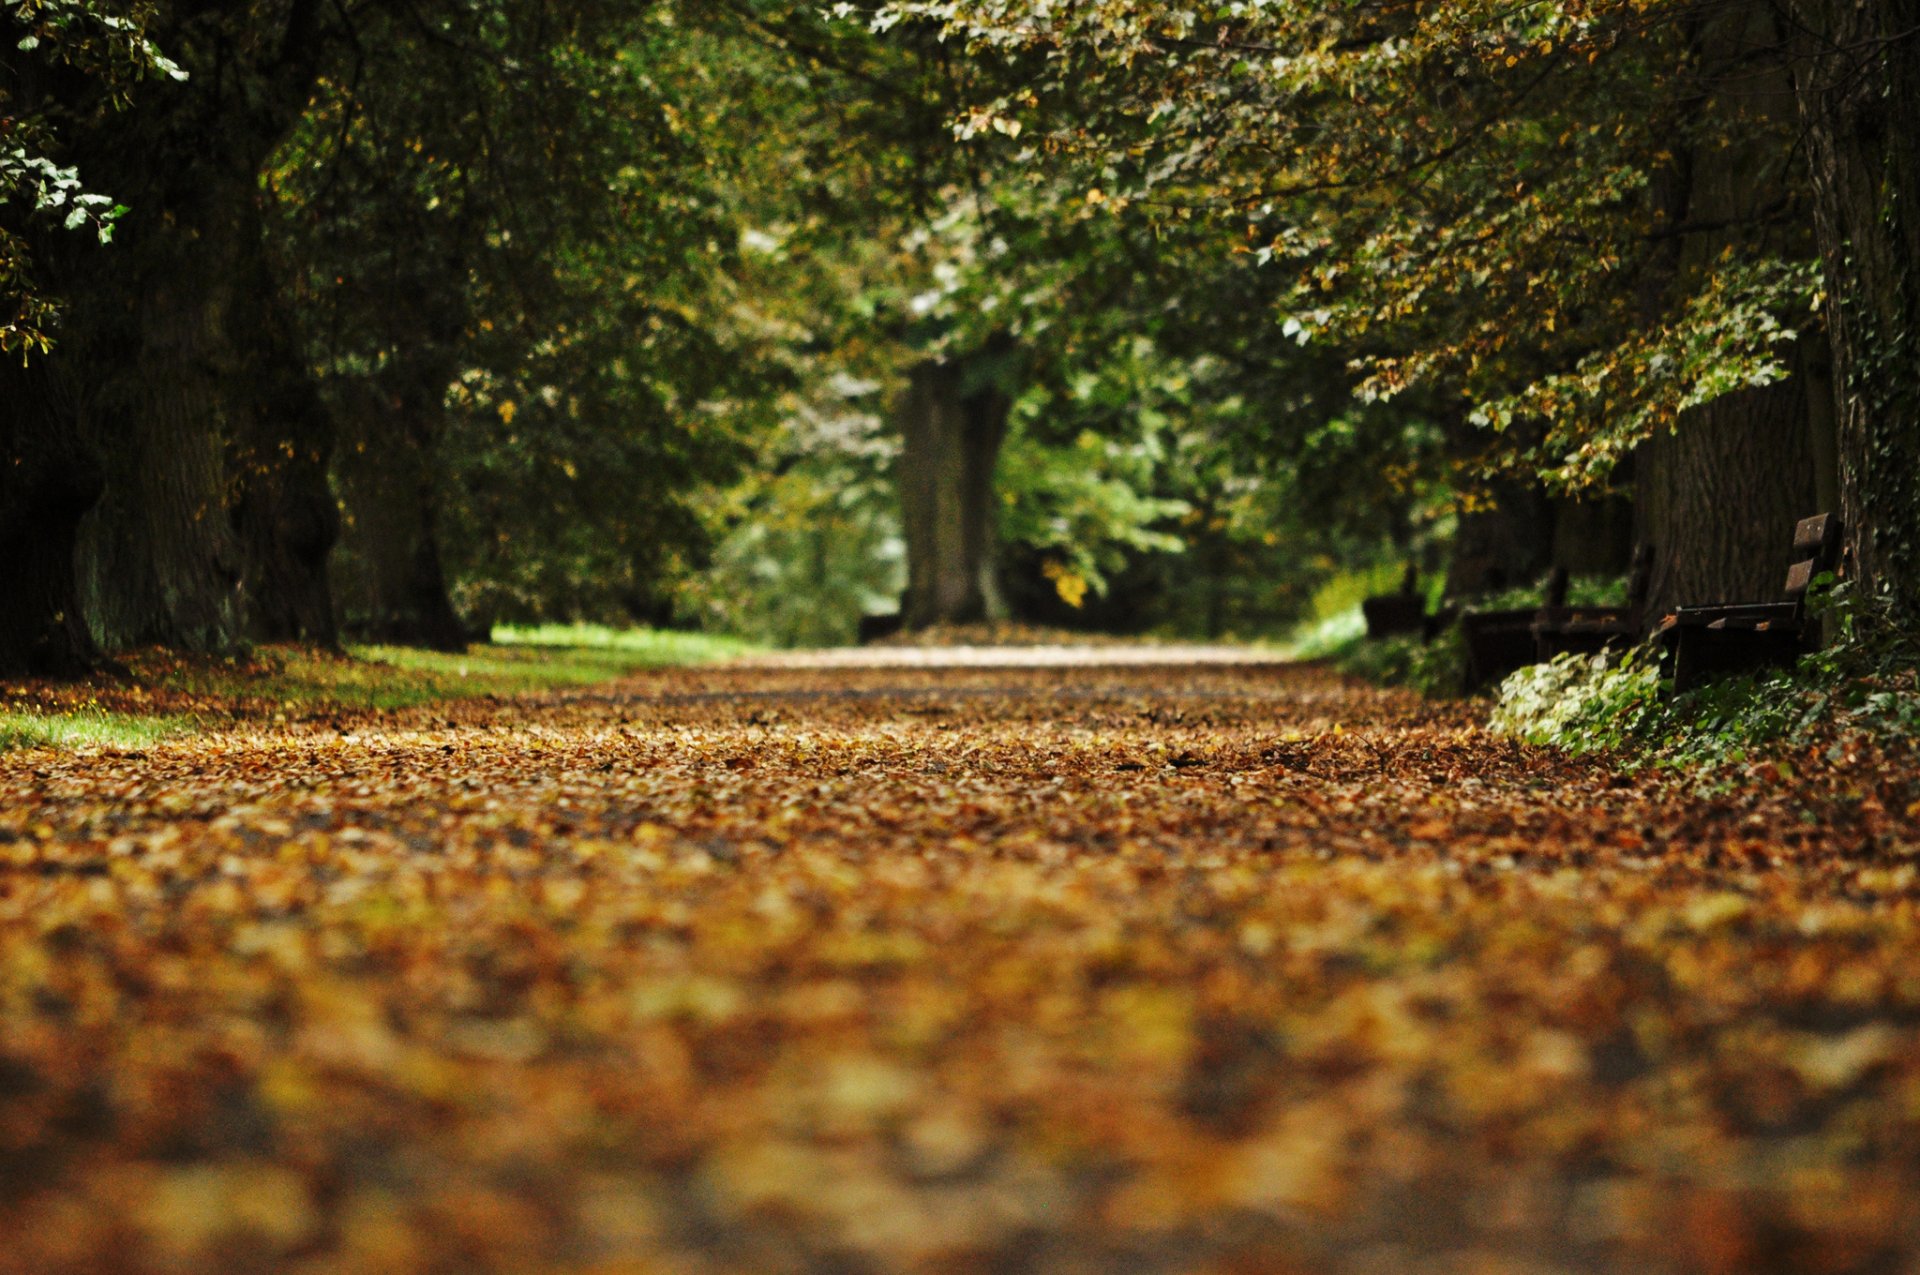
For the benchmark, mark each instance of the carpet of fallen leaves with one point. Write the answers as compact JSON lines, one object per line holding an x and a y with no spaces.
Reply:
{"x":1066,"y":969}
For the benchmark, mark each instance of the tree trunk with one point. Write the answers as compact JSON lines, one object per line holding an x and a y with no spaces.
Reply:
{"x":1858,"y":87}
{"x":1594,"y":536}
{"x":48,"y":480}
{"x":1718,"y":497}
{"x":219,"y":520}
{"x":284,"y":510}
{"x":394,"y":586}
{"x":162,"y":345}
{"x":1503,"y":546}
{"x":953,"y":430}
{"x":159,"y":562}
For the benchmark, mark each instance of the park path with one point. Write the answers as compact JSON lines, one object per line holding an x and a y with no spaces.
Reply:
{"x":1028,"y":963}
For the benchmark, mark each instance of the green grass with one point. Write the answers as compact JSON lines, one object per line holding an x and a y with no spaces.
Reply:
{"x":525,"y":660}
{"x":92,"y":729}
{"x":520,"y":661}
{"x":655,"y":648}
{"x":285,"y":681}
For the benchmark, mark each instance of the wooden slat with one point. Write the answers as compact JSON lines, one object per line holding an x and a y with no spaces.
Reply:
{"x":1800,"y":577}
{"x":1818,"y":535}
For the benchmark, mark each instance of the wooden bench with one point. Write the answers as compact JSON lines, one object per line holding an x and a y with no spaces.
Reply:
{"x":1502,"y":642}
{"x":1393,"y":614}
{"x":1699,"y":643}
{"x":877,"y":628}
{"x":1592,"y":629}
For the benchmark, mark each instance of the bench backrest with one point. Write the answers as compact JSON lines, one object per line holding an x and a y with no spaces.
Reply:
{"x":1816,"y":550}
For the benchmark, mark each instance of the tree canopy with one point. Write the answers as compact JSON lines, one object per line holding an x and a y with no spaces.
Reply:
{"x":415,"y":317}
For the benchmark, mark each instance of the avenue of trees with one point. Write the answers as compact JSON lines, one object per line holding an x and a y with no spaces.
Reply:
{"x":1671,"y":238}
{"x":398,"y":318}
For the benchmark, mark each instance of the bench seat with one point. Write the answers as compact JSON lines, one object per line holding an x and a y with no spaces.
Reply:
{"x":1589,"y":630}
{"x":1699,"y":643}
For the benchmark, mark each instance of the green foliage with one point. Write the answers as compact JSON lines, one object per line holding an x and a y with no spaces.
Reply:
{"x":108,"y":44}
{"x":1728,"y":337}
{"x":1582,"y":591}
{"x":1152,"y":478}
{"x":1435,"y":669}
{"x":1098,"y":468}
{"x":1588,"y":704}
{"x":1582,"y":703}
{"x":1620,"y":704}
{"x":1334,"y":624}
{"x":516,"y":283}
{"x":813,"y":545}
{"x":1449,"y":192}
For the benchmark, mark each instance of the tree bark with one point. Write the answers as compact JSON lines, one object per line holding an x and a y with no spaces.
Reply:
{"x":1858,"y":87}
{"x":1717,"y":498}
{"x":953,"y":429}
{"x":1503,"y":546}
{"x":284,"y":510}
{"x":159,"y":561}
{"x":394,"y":587}
{"x":49,"y":479}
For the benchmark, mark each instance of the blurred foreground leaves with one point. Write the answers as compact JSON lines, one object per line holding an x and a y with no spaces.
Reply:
{"x":1096,"y":969}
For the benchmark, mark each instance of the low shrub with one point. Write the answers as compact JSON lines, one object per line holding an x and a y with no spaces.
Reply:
{"x":1436,"y":669}
{"x":1582,"y":703}
{"x":1620,"y":703}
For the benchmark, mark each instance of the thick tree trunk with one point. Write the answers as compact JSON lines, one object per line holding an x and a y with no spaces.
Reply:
{"x":48,"y":480}
{"x":1503,"y":546}
{"x":394,"y":587}
{"x":163,"y":344}
{"x":217,"y":522}
{"x":159,"y":561}
{"x":952,"y":431}
{"x":1858,"y":88}
{"x":284,"y":511}
{"x":1717,"y":498}
{"x":1593,"y":537}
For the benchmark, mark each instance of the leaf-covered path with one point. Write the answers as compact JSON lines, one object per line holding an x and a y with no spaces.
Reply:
{"x":1092,"y":967}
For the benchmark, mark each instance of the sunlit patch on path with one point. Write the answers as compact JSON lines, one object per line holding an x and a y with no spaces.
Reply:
{"x":1121,"y":960}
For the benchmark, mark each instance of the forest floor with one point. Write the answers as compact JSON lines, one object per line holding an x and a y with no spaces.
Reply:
{"x":1012,"y":962}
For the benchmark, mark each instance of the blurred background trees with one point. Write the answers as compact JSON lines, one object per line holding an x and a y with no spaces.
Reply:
{"x":773,"y":317}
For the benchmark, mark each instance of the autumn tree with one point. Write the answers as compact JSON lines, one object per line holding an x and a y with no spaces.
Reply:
{"x":505,"y":246}
{"x":1857,"y":78}
{"x":1455,"y":193}
{"x":74,"y":68}
{"x":389,"y":215}
{"x":176,"y":370}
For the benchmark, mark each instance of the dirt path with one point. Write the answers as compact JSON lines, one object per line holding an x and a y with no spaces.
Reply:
{"x":1070,"y":968}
